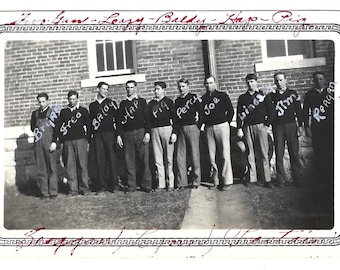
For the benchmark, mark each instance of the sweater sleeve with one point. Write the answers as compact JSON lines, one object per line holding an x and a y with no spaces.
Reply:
{"x":87,"y":122}
{"x":229,"y":108}
{"x":239,"y":121}
{"x":56,"y":131}
{"x":298,"y":110}
{"x":306,"y":110}
{"x":147,"y":125}
{"x":33,"y":120}
{"x":269,"y":110}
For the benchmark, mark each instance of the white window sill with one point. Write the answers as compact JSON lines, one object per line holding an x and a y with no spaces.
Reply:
{"x":113,"y":80}
{"x":290,"y":63}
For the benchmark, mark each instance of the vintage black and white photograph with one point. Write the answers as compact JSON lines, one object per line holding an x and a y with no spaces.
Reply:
{"x":216,"y":133}
{"x":169,"y":134}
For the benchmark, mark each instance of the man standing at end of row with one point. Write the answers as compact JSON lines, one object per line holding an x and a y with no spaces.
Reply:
{"x":43,"y":121}
{"x":217,"y":114}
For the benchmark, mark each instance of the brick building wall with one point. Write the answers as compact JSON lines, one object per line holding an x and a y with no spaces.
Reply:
{"x":57,"y":66}
{"x":34,"y":66}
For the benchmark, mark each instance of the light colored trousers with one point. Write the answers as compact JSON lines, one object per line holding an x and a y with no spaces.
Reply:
{"x":218,"y":137}
{"x":164,"y":153}
{"x":188,"y":140}
{"x":256,"y":137}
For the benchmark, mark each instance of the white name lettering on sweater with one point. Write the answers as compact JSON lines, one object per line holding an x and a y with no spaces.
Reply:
{"x":38,"y":131}
{"x":159,"y":108}
{"x":211,"y":106}
{"x":102,"y":114}
{"x":66,"y":126}
{"x":283,"y":104}
{"x":247,"y":109}
{"x":188,"y":104}
{"x":328,"y":100}
{"x":130,"y":111}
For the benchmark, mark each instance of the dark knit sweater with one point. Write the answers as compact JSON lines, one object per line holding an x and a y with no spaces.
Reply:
{"x":320,"y":106}
{"x":103,"y":115}
{"x":133,"y":115}
{"x":217,"y":108}
{"x":287,"y":107}
{"x":254,"y":109}
{"x":73,"y":125}
{"x":186,"y":109}
{"x":162,"y":113}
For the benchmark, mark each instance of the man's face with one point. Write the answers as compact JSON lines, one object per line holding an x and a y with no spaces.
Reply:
{"x":252,"y":85}
{"x":130,"y":89}
{"x":72,"y":100}
{"x":319,"y":81}
{"x":103,"y":90}
{"x":210,"y":84}
{"x":159,"y":92}
{"x":43,"y":103}
{"x":280,"y":81}
{"x":183,"y":88}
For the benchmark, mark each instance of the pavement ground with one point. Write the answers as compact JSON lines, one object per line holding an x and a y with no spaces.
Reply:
{"x":224,"y":209}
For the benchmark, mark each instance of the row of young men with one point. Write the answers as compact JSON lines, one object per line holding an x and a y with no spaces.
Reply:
{"x":134,"y":123}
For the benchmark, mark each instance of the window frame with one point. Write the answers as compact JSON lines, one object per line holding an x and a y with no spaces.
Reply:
{"x":94,"y":73}
{"x":114,"y":77}
{"x":286,"y":62}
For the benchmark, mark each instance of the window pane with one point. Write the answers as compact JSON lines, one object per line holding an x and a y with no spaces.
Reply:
{"x":119,"y":55}
{"x":100,"y":57}
{"x":276,"y":48}
{"x":304,"y":47}
{"x":129,"y":54}
{"x":109,"y":56}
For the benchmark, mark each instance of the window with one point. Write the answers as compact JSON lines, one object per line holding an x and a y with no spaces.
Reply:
{"x":279,"y":48}
{"x":115,"y":60}
{"x":288,"y":54}
{"x":114,"y":57}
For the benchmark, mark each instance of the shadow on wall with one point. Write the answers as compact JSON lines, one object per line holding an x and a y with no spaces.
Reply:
{"x":25,"y":168}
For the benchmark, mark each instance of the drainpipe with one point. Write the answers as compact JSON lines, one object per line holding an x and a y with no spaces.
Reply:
{"x":212,"y":59}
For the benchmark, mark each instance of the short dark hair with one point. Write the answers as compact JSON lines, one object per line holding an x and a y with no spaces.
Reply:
{"x":186,"y":81}
{"x":251,"y":76}
{"x":131,"y":81}
{"x":280,"y":73}
{"x":210,"y":76}
{"x":102,"y":83}
{"x":72,"y":93}
{"x":160,"y":83}
{"x":315,"y":73}
{"x":42,"y":95}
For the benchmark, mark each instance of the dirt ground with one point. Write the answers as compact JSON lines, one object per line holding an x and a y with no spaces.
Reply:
{"x":278,"y":208}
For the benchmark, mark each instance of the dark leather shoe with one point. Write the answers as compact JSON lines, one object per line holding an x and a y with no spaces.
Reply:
{"x":226,"y":187}
{"x":268,"y":185}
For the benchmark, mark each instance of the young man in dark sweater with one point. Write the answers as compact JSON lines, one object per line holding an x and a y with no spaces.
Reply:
{"x":217,"y":114}
{"x":188,"y":110}
{"x":255,"y":114}
{"x":133,"y":134}
{"x":318,"y":109}
{"x":163,"y":135}
{"x":288,"y":113}
{"x":104,"y":112}
{"x":43,"y":122}
{"x":74,"y":131}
